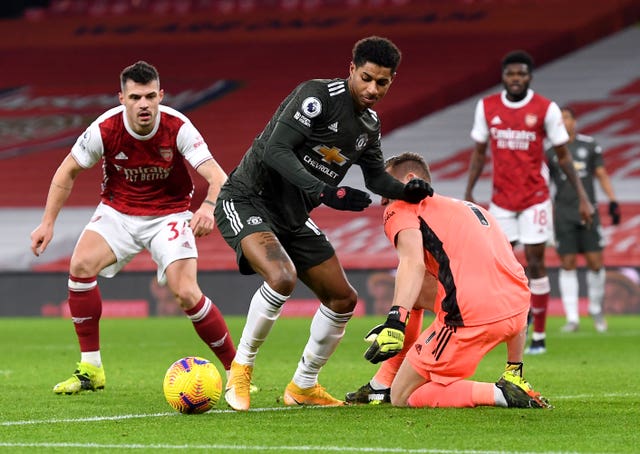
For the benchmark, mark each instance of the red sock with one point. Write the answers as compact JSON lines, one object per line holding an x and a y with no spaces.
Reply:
{"x":85,"y":305}
{"x":213,"y":330}
{"x":539,"y":304}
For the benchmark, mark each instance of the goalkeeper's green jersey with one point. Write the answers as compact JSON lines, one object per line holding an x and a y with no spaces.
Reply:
{"x":321,"y":135}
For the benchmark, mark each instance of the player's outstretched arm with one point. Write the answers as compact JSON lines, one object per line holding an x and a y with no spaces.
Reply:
{"x":605,"y":183}
{"x":476,"y":165}
{"x":345,"y":198}
{"x":565,"y":161}
{"x":202,"y":223}
{"x":59,"y":191}
{"x":387,"y":339}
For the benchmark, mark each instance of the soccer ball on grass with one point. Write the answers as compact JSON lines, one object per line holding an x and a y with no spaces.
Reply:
{"x":192,"y":385}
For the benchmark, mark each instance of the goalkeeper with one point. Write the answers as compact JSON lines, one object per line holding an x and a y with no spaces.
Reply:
{"x":482,"y":301}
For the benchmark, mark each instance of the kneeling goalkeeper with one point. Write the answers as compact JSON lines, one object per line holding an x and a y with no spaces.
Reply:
{"x":482,"y":301}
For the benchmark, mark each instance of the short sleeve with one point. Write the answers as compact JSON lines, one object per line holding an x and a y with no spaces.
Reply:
{"x":399,"y":216}
{"x":192,"y":145}
{"x":480,"y":131}
{"x":88,"y":149}
{"x":554,"y":126}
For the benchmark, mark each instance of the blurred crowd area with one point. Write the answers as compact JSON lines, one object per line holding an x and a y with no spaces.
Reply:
{"x":42,"y":9}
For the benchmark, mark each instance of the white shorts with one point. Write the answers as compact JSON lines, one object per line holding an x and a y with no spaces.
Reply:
{"x":533,"y":225}
{"x":168,"y":238}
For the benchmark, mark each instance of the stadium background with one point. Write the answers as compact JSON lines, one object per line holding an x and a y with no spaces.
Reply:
{"x":227,"y":64}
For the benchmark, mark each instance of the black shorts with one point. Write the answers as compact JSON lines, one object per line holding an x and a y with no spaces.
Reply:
{"x":576,"y":238}
{"x":307,"y":246}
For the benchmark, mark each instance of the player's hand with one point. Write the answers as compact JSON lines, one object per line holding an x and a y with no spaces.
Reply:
{"x":416,"y":190}
{"x":202,"y":223}
{"x":614,"y":212}
{"x":40,"y":239}
{"x":586,"y":212}
{"x":387,"y":339}
{"x":345,"y":198}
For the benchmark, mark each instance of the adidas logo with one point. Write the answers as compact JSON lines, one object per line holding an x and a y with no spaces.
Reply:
{"x":186,"y":245}
{"x":121,"y":156}
{"x":496,"y":120}
{"x":334,"y":126}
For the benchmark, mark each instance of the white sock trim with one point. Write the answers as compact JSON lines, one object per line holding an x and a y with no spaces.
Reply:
{"x":540,"y":286}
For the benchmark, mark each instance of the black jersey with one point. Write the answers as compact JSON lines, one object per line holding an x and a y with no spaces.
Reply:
{"x":325,"y":135}
{"x":587,"y":156}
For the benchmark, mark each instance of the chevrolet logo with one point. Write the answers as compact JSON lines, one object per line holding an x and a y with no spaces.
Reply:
{"x":330,"y":155}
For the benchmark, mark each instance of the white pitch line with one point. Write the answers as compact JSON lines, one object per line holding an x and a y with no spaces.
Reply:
{"x":252,"y":410}
{"x":591,"y":396}
{"x":147,"y":415}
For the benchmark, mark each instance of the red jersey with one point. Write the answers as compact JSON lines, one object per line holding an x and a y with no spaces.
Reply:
{"x":516,"y":132}
{"x":479,"y":278}
{"x":143,"y":175}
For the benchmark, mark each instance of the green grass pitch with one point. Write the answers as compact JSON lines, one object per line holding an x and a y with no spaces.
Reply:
{"x":592,"y":380}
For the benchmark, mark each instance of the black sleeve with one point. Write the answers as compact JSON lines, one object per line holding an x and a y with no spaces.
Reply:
{"x":279,"y":156}
{"x":376,"y":178}
{"x":381,"y":183}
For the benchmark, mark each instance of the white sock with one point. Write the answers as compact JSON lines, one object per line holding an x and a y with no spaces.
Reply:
{"x":568,"y":282}
{"x":375,"y":384}
{"x":327,"y":329}
{"x":538,"y":336}
{"x":264,"y":310}
{"x":92,"y":358}
{"x":595,"y":290}
{"x":499,"y":397}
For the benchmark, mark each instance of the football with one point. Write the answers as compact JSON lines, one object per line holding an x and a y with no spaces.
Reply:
{"x":192,"y":385}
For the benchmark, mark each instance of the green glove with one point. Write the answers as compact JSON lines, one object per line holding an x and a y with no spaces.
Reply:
{"x":387,"y":339}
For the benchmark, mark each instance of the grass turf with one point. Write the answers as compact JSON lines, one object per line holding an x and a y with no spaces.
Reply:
{"x":590,"y":378}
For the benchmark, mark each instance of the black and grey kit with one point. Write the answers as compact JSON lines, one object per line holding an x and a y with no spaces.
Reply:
{"x":312,"y":140}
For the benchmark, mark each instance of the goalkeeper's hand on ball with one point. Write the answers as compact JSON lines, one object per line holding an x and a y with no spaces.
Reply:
{"x":387,"y":339}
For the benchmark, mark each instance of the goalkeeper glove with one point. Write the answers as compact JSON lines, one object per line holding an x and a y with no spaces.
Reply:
{"x":416,"y":190}
{"x":345,"y":198}
{"x":614,"y":212}
{"x":387,"y":339}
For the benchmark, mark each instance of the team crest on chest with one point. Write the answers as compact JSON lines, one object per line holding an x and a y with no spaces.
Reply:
{"x":361,"y":141}
{"x":311,"y":107}
{"x":530,"y":120}
{"x":166,"y":153}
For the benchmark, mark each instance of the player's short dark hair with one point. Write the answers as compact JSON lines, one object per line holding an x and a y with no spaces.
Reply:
{"x":378,"y":50}
{"x":409,"y":162}
{"x":570,"y":110}
{"x":140,"y":72}
{"x":518,"y":56}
